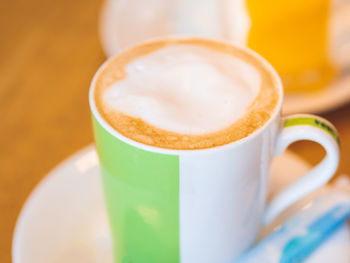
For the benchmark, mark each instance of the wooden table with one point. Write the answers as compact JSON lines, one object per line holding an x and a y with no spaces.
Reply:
{"x":49,"y":51}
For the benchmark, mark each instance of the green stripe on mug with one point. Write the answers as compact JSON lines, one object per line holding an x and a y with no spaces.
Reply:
{"x":142,"y":197}
{"x":315,"y":122}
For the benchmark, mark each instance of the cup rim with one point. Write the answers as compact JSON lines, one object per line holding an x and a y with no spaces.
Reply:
{"x":156,"y":149}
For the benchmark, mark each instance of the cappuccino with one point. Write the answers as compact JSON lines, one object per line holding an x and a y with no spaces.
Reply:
{"x":186,"y":93}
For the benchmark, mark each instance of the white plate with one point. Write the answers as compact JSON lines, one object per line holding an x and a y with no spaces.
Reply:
{"x":64,"y":219}
{"x":330,"y":97}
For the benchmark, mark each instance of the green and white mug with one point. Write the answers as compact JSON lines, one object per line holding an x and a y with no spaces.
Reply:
{"x":201,"y":205}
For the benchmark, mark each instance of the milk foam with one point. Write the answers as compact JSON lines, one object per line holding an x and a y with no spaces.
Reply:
{"x":185,"y":89}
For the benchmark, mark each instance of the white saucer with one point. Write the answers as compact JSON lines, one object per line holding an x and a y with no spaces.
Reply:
{"x":64,"y":219}
{"x":330,"y":97}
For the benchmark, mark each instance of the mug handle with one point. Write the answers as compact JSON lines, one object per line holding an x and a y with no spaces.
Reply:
{"x":312,"y":128}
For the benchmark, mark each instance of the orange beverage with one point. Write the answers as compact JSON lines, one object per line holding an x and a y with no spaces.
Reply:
{"x":293,"y":36}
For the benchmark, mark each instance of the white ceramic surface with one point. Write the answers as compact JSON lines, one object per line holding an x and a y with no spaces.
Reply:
{"x":64,"y":218}
{"x":334,"y":95}
{"x":330,"y":97}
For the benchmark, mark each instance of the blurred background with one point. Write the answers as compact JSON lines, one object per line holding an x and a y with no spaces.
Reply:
{"x":49,"y":52}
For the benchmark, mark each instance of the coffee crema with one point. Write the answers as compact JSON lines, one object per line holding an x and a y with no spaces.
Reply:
{"x":186,"y":93}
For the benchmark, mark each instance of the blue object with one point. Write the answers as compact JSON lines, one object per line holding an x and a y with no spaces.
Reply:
{"x":300,"y":236}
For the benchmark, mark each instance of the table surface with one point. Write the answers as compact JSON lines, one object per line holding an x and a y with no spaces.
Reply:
{"x":49,"y":51}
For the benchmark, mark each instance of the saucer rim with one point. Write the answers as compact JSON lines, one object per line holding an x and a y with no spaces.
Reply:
{"x":20,"y":221}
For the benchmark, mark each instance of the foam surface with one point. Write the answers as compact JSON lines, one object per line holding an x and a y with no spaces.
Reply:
{"x":185,"y":89}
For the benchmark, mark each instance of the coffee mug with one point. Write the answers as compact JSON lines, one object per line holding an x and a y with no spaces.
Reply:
{"x":202,"y":205}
